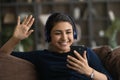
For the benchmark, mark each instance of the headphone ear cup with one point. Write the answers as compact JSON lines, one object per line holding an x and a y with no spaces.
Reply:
{"x":75,"y":34}
{"x":74,"y":28}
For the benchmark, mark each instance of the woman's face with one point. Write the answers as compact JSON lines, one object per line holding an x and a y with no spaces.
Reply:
{"x":62,"y":37}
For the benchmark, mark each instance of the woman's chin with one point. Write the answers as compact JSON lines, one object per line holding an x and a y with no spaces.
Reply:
{"x":65,"y":49}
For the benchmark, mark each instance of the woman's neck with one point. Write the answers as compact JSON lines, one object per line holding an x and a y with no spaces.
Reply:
{"x":54,"y":49}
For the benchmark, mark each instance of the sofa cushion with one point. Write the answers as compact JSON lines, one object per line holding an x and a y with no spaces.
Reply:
{"x":102,"y":52}
{"x":110,"y":59}
{"x":13,"y":68}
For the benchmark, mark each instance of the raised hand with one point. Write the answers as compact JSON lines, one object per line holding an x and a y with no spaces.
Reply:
{"x":21,"y":32}
{"x":22,"y":29}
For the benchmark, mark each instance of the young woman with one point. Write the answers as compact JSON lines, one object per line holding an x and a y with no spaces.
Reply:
{"x":55,"y":63}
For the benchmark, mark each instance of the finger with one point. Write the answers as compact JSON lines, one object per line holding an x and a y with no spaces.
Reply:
{"x":78,"y":55}
{"x":85,"y":55}
{"x":74,"y":60}
{"x":28,"y":20}
{"x":24,"y":20}
{"x":29,"y":33}
{"x":31,"y":22}
{"x":71,"y":67}
{"x":73,"y":63}
{"x":18,"y":20}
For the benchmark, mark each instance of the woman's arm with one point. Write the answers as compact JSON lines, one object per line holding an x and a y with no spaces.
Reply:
{"x":21,"y":32}
{"x":80,"y":64}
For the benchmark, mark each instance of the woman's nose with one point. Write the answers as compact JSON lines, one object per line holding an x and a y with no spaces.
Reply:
{"x":64,"y":36}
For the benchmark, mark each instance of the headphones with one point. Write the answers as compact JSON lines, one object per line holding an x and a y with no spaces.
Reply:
{"x":74,"y":28}
{"x":47,"y":30}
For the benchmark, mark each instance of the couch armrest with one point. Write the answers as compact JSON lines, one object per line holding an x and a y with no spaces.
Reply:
{"x":13,"y":68}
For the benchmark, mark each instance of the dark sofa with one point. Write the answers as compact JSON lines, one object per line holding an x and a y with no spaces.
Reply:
{"x":13,"y":68}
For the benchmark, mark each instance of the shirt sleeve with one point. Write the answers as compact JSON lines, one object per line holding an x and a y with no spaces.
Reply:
{"x":29,"y":56}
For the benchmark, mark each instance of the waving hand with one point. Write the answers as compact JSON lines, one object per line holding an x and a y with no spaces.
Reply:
{"x":22,"y":30}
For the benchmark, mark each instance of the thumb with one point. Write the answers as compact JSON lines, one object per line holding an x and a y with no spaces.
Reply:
{"x":29,"y":33}
{"x":84,"y":55}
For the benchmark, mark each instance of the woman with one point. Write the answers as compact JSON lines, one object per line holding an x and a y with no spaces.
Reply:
{"x":55,"y":63}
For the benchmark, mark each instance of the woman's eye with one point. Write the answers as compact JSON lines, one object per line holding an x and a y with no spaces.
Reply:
{"x":57,"y":33}
{"x":68,"y":32}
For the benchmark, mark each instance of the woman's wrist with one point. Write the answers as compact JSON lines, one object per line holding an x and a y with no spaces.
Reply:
{"x":90,"y":73}
{"x":15,"y":39}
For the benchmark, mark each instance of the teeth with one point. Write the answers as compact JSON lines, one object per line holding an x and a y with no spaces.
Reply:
{"x":63,"y":43}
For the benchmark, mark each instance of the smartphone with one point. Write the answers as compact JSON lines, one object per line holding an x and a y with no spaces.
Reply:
{"x":79,"y":49}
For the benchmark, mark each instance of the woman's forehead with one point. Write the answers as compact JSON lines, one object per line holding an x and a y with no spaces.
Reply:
{"x":62,"y":26}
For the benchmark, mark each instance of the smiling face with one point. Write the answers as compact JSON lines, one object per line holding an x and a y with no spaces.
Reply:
{"x":62,"y":37}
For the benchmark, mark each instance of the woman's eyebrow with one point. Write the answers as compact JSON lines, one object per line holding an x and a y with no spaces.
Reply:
{"x":69,"y":30}
{"x":57,"y":30}
{"x":65,"y":30}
